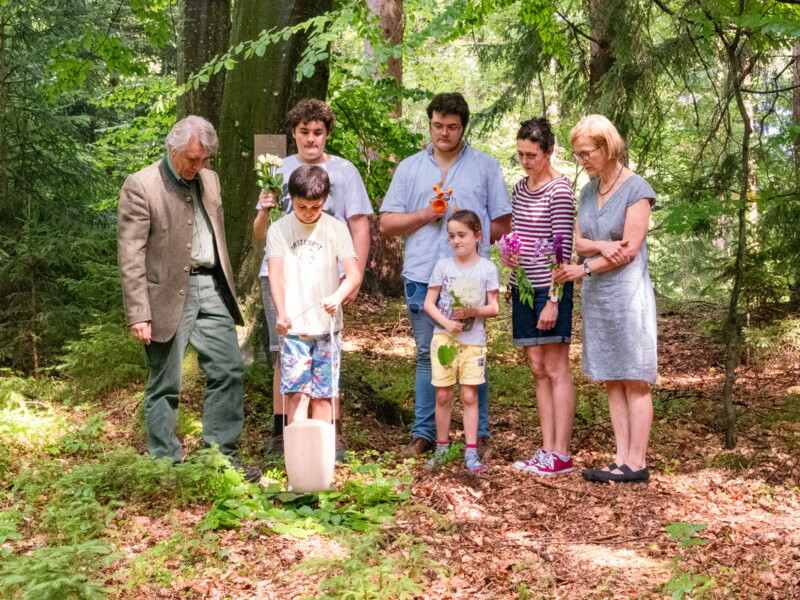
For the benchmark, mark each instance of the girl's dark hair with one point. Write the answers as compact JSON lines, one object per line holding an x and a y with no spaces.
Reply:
{"x":537,"y":130}
{"x":309,"y":182}
{"x":468,"y":218}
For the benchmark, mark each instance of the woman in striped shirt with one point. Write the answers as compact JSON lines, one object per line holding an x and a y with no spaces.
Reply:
{"x":543,"y":208}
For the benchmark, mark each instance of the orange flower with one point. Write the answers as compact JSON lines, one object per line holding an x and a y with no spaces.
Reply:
{"x":440,"y":194}
{"x":449,"y":191}
{"x":455,"y":208}
{"x":435,"y":188}
{"x":439,"y":205}
{"x":441,"y":183}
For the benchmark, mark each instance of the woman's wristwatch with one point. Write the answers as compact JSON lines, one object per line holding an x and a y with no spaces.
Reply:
{"x":553,"y":298}
{"x":586,"y":269}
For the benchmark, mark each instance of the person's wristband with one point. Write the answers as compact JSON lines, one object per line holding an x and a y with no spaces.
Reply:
{"x":586,"y":269}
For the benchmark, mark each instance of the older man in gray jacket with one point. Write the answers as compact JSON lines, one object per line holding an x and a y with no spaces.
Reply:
{"x":178,"y":289}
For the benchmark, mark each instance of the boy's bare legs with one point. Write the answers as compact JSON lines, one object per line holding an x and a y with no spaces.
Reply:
{"x":321,"y":409}
{"x":297,"y":405}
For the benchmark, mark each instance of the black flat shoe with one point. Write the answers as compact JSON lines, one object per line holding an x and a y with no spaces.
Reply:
{"x":591,"y":474}
{"x":627,"y":476}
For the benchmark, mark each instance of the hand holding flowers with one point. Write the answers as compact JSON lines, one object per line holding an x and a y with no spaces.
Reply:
{"x":554,"y":252}
{"x":440,"y":201}
{"x":510,"y":246}
{"x":270,"y":181}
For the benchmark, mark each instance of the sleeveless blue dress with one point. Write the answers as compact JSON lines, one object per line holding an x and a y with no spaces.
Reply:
{"x":618,"y":306}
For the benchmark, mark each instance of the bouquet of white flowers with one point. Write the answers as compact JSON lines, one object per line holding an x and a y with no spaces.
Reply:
{"x":270,"y":180}
{"x":467,"y":292}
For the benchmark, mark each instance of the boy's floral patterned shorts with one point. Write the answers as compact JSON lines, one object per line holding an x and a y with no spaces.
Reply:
{"x":308,"y":364}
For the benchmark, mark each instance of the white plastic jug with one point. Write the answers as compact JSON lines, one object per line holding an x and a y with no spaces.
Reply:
{"x":310,"y":454}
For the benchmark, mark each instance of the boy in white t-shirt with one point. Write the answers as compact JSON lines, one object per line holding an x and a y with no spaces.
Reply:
{"x":311,"y":121}
{"x":304,"y":249}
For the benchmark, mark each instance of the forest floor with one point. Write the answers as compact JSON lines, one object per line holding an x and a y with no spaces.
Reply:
{"x":711,"y":523}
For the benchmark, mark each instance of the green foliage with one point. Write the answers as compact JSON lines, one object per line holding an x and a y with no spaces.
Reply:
{"x":778,"y":337}
{"x":57,"y":572}
{"x":380,"y":565}
{"x":105,"y":358}
{"x":732,"y":461}
{"x":686,"y":533}
{"x":85,"y":438}
{"x":682,"y":585}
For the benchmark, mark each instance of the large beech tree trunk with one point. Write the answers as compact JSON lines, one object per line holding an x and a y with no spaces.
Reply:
{"x":205,"y":29}
{"x":258,"y":93}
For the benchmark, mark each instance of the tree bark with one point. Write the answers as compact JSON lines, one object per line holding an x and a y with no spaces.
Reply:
{"x":205,"y":29}
{"x":258,"y":93}
{"x":601,"y":58}
{"x":392,"y":24}
{"x":734,"y":318}
{"x":3,"y":110}
{"x":796,"y":109}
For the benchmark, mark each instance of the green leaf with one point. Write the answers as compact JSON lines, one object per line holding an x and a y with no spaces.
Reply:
{"x":447,"y":354}
{"x":280,"y":528}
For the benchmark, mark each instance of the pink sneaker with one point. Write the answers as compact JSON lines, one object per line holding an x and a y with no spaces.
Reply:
{"x":550,"y":463}
{"x":525,"y":465}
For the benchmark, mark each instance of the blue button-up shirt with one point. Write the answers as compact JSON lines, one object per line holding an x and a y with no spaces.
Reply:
{"x":478,"y":185}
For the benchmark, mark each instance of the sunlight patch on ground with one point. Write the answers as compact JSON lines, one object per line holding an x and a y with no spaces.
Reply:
{"x":609,"y":557}
{"x":399,"y":346}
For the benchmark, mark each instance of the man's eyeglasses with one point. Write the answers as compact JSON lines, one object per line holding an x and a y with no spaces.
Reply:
{"x":583,"y":156}
{"x":442,"y":127}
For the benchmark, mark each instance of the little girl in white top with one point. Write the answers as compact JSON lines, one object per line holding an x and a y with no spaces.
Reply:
{"x":462,"y":293}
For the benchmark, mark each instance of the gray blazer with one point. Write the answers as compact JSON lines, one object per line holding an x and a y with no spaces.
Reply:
{"x":154,"y":235}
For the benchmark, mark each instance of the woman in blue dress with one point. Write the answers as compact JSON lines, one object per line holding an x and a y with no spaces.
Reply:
{"x":618,"y":303}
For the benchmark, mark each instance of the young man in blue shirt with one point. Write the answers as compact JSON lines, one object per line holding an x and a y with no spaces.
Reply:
{"x":477,"y":184}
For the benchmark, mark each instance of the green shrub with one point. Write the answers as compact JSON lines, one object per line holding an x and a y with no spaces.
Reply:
{"x":106,"y":357}
{"x":57,"y":573}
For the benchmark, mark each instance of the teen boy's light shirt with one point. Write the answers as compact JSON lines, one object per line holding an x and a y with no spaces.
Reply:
{"x":347,"y":198}
{"x":478,"y":185}
{"x":310,"y":254}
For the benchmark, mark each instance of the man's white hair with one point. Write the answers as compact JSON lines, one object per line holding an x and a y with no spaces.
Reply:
{"x":193,"y":127}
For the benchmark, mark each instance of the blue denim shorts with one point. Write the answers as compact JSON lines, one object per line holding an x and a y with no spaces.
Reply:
{"x":524,"y":319}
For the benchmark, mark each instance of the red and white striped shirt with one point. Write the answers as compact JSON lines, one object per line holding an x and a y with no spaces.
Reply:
{"x":540,"y":215}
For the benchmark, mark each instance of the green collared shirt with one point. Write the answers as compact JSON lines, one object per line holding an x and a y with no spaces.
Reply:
{"x":202,"y":234}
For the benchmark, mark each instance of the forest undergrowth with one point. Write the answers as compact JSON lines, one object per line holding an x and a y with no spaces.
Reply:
{"x":84,"y":514}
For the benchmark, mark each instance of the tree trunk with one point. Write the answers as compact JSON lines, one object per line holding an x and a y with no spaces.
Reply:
{"x":205,"y":28}
{"x":258,"y":93}
{"x":385,"y":268}
{"x":734,"y":318}
{"x":601,"y":58}
{"x":796,"y":110}
{"x":392,"y":24}
{"x":3,"y":109}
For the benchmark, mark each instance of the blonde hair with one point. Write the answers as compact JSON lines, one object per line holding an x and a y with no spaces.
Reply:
{"x":602,"y":132}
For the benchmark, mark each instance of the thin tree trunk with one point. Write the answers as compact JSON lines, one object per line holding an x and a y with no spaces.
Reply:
{"x":734,"y":318}
{"x":205,"y":29}
{"x":601,"y":58}
{"x":3,"y":110}
{"x":796,"y":109}
{"x":392,"y":24}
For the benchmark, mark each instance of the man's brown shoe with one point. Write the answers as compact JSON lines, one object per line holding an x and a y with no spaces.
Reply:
{"x":417,"y":446}
{"x":484,"y":448}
